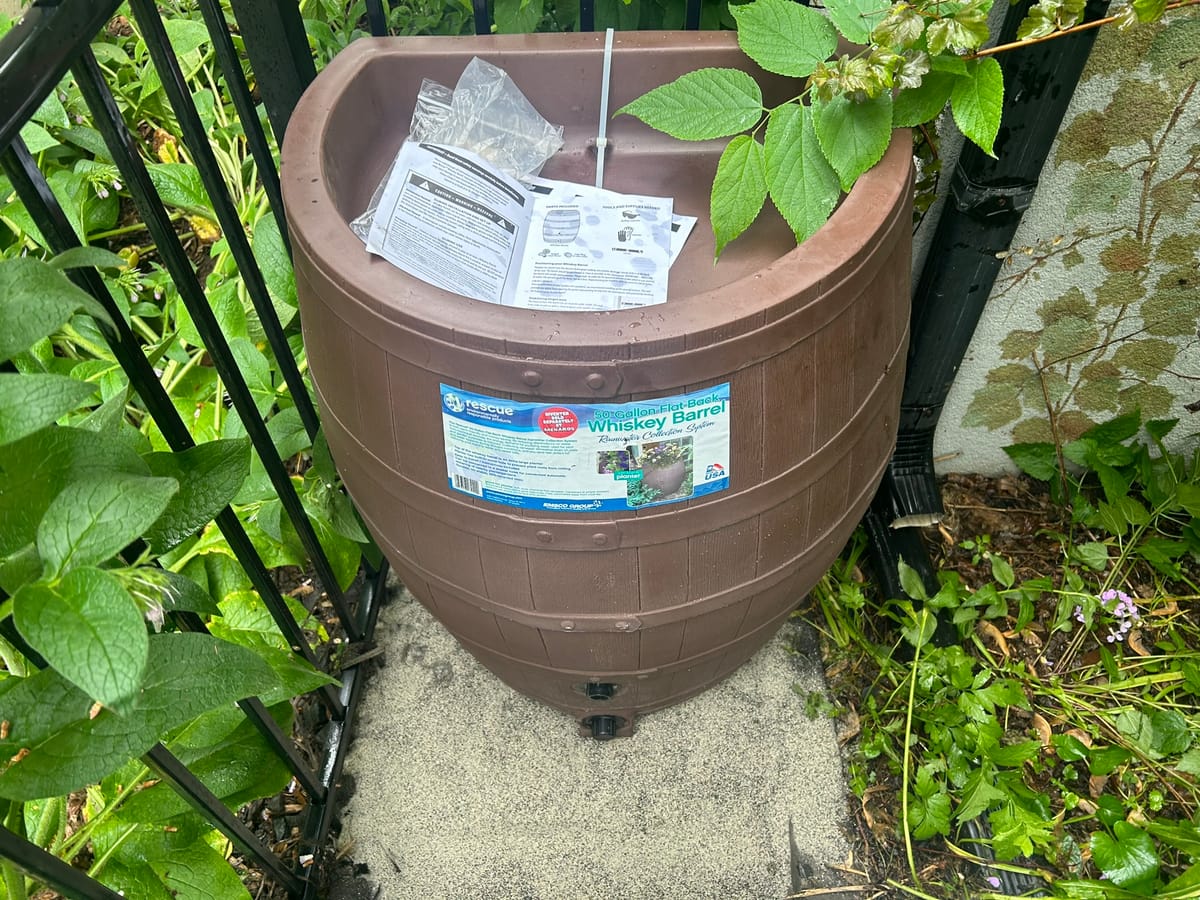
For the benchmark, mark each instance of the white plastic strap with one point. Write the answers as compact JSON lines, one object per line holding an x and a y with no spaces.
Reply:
{"x":601,"y":139}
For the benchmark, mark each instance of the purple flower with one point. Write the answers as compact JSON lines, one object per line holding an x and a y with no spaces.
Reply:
{"x":993,"y":881}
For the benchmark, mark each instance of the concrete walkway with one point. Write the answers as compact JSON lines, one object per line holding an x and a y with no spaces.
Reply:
{"x":467,"y":789}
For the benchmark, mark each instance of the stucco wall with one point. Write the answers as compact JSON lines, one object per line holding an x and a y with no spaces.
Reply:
{"x":1095,"y":311}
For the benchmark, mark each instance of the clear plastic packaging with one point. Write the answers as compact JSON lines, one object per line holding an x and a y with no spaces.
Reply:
{"x":490,"y":116}
{"x":431,"y":111}
{"x":485,"y":113}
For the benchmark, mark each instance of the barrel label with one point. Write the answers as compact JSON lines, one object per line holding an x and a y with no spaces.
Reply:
{"x":573,"y":457}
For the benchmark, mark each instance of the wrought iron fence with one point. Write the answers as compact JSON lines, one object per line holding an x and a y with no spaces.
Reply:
{"x":52,"y":38}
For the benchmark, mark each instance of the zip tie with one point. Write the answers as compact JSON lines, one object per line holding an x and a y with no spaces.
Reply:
{"x":601,"y":139}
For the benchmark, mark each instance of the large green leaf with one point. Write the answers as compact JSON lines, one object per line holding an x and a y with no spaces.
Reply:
{"x":290,"y":437}
{"x":36,"y":468}
{"x":179,"y":185}
{"x":1039,"y":460}
{"x":209,"y":476}
{"x":622,"y":15}
{"x":52,"y":112}
{"x":1129,"y":858}
{"x":81,"y":257}
{"x":239,"y":767}
{"x":185,"y":35}
{"x":89,"y":629}
{"x":35,"y":301}
{"x":133,"y":880}
{"x":186,"y":675}
{"x":979,"y":795}
{"x":199,"y":873}
{"x":803,"y":186}
{"x":182,"y":593}
{"x":784,"y":37}
{"x":276,"y":265}
{"x":517,"y":16}
{"x":29,"y":402}
{"x":738,"y":190}
{"x":856,"y":18}
{"x":853,"y":135}
{"x":929,"y":807}
{"x":701,"y":105}
{"x":1157,"y":733}
{"x":344,"y":554}
{"x":257,"y":371}
{"x":977,"y":101}
{"x":916,"y":106}
{"x":86,"y":209}
{"x":91,"y":520}
{"x":36,"y":138}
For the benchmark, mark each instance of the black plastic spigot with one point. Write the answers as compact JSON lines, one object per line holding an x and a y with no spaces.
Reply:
{"x":599,"y":690}
{"x":604,"y":728}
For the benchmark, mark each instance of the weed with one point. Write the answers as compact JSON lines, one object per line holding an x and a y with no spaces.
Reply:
{"x":1066,"y":716}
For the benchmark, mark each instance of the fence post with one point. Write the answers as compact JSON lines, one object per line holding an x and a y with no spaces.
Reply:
{"x":279,"y":55}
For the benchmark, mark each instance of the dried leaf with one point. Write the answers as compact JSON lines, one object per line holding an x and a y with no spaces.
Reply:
{"x":992,"y":633}
{"x":850,"y":727}
{"x":1134,"y":640}
{"x":1080,"y":735}
{"x":1042,"y":727}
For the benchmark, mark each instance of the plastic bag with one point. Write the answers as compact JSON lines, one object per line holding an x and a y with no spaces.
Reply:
{"x":433,"y":107}
{"x":490,"y":116}
{"x":486,"y":113}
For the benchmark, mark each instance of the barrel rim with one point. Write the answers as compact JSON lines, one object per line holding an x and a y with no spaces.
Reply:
{"x":323,"y":236}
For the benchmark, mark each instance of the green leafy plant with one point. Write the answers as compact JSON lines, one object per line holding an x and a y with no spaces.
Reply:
{"x":107,"y":545}
{"x":1065,"y":715}
{"x":89,"y":513}
{"x":915,"y":59}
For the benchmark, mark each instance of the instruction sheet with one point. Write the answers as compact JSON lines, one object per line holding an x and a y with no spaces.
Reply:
{"x":449,"y":218}
{"x":586,"y":457}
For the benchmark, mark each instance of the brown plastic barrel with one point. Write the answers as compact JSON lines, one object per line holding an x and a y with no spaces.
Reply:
{"x":660,"y":602}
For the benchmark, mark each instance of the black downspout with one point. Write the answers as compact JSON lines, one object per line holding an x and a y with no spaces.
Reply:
{"x":987,"y":200}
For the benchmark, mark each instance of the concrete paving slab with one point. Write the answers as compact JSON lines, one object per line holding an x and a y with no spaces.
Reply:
{"x":466,"y":789}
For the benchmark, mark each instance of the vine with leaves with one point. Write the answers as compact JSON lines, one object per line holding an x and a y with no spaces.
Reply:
{"x":915,"y":58}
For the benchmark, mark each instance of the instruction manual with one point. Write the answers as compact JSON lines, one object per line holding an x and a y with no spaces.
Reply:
{"x":448,"y":217}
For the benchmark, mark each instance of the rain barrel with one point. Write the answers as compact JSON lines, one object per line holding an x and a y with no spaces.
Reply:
{"x":603,"y":614}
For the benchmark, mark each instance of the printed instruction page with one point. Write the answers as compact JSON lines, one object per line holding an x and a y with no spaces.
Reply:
{"x":448,"y":217}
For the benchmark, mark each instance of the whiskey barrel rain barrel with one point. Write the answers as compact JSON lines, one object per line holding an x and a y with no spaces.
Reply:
{"x":604,"y":615}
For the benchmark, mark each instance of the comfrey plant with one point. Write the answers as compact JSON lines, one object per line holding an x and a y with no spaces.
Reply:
{"x":914,"y":58}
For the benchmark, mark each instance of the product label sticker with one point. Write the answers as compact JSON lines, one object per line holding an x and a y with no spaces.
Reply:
{"x":566,"y":457}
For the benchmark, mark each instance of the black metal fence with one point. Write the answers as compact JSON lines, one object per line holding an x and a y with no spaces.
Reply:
{"x":50,"y":39}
